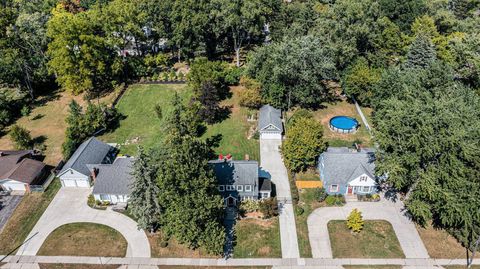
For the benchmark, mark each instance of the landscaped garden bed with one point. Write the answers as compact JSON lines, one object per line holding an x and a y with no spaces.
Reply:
{"x":84,"y":239}
{"x":376,"y":240}
{"x":25,"y":216}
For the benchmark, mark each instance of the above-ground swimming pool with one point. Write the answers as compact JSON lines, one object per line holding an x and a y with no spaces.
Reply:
{"x":343,"y":124}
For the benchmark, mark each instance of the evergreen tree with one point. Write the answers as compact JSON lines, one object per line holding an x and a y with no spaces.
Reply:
{"x":421,"y":53}
{"x":355,"y":221}
{"x":143,"y":201}
{"x":20,"y":137}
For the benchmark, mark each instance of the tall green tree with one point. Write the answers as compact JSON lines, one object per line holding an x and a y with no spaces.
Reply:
{"x":421,"y":53}
{"x":359,"y":81}
{"x":143,"y":201}
{"x":303,"y":144}
{"x":20,"y":137}
{"x":294,"y":71}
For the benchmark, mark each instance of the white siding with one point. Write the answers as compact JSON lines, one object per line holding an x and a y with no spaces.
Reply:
{"x":72,"y":178}
{"x":358,"y":182}
{"x":12,"y":185}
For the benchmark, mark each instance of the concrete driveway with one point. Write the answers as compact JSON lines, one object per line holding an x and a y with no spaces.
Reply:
{"x":70,"y":205}
{"x":271,"y":162}
{"x":8,"y":203}
{"x":411,"y":243}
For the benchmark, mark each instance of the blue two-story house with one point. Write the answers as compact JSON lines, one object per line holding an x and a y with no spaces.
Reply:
{"x":348,"y":172}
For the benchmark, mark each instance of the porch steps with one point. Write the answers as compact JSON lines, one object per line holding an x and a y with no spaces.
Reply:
{"x":351,"y":198}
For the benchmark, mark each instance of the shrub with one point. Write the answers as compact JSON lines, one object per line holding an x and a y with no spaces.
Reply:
{"x":250,"y":96}
{"x":181,"y":76}
{"x":164,"y":76}
{"x":98,"y":202}
{"x":335,"y":200}
{"x":320,"y":194}
{"x":26,"y":110}
{"x":20,"y":137}
{"x":172,"y":76}
{"x":154,"y":77}
{"x":163,"y":244}
{"x":299,"y":210}
{"x":256,"y":135}
{"x":91,"y":201}
{"x":249,"y":206}
{"x":269,"y":208}
{"x":233,"y":74}
{"x":355,"y":221}
{"x":376,"y":197}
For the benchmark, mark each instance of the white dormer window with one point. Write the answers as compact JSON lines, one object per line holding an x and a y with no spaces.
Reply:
{"x":221,"y":188}
{"x":239,"y":187}
{"x":248,"y":188}
{"x":363,"y":178}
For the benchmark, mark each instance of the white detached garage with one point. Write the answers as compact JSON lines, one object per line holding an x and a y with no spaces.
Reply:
{"x":75,"y":172}
{"x":270,"y":123}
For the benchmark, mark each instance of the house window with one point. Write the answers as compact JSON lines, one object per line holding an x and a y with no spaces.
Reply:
{"x":248,"y":187}
{"x":366,"y":188}
{"x":239,"y":187}
{"x":104,"y":197}
{"x":265,"y":195}
{"x":230,"y":188}
{"x":334,"y":188}
{"x":363,"y":178}
{"x":221,"y":188}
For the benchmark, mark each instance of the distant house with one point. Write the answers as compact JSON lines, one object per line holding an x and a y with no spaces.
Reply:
{"x":112,"y":182}
{"x":348,"y":172}
{"x":239,"y":180}
{"x":75,"y":172}
{"x":18,"y":171}
{"x":270,"y":123}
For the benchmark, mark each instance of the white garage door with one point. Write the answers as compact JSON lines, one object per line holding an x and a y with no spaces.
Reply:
{"x":75,"y":183}
{"x":273,"y":135}
{"x":13,"y":186}
{"x":83,"y":183}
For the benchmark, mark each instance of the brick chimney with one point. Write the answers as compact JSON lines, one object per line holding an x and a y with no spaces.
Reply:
{"x":94,"y":173}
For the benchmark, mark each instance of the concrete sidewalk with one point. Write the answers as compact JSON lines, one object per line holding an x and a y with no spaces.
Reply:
{"x":410,"y":241}
{"x":271,"y":162}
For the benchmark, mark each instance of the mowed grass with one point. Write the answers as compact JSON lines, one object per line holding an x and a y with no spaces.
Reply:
{"x":343,"y":108}
{"x":376,"y":240}
{"x":84,"y":239}
{"x":173,"y":249}
{"x":440,"y":244}
{"x":234,"y":131}
{"x":25,"y":217}
{"x":257,"y":239}
{"x":308,"y":202}
{"x":141,"y":126}
{"x":47,"y":122}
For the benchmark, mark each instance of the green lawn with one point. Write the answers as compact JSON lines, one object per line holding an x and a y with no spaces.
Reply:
{"x":84,"y":239}
{"x":307,"y":201}
{"x":257,"y":239}
{"x":376,"y":240}
{"x":141,"y":125}
{"x":234,"y":131}
{"x":25,"y":217}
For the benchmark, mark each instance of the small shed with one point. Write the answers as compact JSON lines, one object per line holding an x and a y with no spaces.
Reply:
{"x":270,"y":123}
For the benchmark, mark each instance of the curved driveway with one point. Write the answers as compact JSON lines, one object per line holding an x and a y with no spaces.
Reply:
{"x":70,"y":205}
{"x":405,"y":230}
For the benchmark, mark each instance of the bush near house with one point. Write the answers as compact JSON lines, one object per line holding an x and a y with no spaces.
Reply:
{"x":335,"y":200}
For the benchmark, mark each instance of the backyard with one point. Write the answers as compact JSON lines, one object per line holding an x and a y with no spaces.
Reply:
{"x":84,"y":239}
{"x":376,"y":240}
{"x":25,"y":217}
{"x":257,"y":239}
{"x":141,"y":126}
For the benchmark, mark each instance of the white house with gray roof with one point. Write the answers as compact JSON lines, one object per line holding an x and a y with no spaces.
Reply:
{"x":75,"y":172}
{"x":270,"y":124}
{"x":348,"y":172}
{"x":239,"y":180}
{"x":113,"y":182}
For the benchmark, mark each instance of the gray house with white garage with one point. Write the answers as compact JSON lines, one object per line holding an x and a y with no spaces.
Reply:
{"x":113,"y":182}
{"x":270,"y":124}
{"x":75,"y":172}
{"x":239,"y":180}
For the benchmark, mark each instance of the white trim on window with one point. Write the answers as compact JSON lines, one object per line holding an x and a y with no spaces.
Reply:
{"x":248,"y":187}
{"x":221,"y":188}
{"x":334,"y":188}
{"x":239,"y":187}
{"x":230,"y":187}
{"x":366,"y":189}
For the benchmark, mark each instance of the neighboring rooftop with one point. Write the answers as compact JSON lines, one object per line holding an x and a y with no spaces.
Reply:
{"x":16,"y":165}
{"x":341,"y":165}
{"x":229,"y":172}
{"x":270,"y":116}
{"x":91,"y":151}
{"x":115,"y":178}
{"x":265,"y":184}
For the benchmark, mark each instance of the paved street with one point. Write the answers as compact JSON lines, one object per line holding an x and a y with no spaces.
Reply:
{"x":70,"y":205}
{"x":405,"y":230}
{"x":8,"y":203}
{"x":271,"y":162}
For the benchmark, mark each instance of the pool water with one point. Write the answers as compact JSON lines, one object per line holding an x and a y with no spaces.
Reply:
{"x":343,"y":124}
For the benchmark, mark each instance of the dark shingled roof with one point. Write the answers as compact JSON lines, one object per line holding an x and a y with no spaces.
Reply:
{"x":270,"y":115}
{"x":26,"y":171}
{"x":9,"y":159}
{"x":342,"y":165}
{"x":235,"y":172}
{"x":115,"y":178}
{"x":265,"y":184}
{"x":92,"y":151}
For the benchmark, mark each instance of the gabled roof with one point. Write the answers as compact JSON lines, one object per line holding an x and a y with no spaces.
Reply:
{"x":341,"y":165}
{"x":265,"y":184}
{"x":92,"y":151}
{"x":231,"y":172}
{"x":26,"y":171}
{"x":270,"y":116}
{"x":9,"y":159}
{"x":115,"y":178}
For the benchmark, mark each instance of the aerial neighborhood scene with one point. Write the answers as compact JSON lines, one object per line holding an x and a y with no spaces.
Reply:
{"x":239,"y":134}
